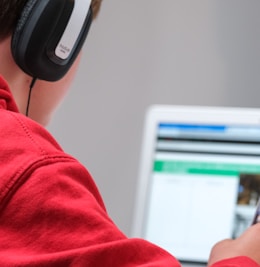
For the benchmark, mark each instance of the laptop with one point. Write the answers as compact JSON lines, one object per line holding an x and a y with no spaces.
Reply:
{"x":199,"y":179}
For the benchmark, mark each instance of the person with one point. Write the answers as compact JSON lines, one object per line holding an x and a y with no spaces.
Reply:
{"x":51,"y":213}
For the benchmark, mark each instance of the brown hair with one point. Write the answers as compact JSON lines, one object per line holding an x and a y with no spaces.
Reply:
{"x":11,"y":9}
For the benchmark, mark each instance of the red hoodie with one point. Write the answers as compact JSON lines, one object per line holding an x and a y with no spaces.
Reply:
{"x":51,"y":213}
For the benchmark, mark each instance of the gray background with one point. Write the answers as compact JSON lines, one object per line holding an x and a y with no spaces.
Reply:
{"x":143,"y":52}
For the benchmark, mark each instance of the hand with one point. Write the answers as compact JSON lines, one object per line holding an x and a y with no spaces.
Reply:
{"x":247,"y":244}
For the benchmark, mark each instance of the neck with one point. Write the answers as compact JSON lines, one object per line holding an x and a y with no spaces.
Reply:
{"x":18,"y":81}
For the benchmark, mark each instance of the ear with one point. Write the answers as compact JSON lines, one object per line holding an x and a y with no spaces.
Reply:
{"x":49,"y":35}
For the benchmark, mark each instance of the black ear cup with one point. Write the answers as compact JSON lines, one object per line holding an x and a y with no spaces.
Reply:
{"x":49,"y":36}
{"x":23,"y":18}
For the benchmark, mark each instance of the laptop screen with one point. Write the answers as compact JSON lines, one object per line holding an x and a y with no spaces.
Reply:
{"x":203,"y":186}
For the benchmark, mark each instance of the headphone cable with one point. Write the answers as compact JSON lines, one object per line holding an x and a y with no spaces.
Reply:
{"x":29,"y":96}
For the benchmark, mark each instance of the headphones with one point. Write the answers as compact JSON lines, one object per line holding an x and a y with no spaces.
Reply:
{"x":49,"y":35}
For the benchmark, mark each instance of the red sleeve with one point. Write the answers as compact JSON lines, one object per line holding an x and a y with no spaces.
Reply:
{"x":236,"y":262}
{"x":56,"y":220}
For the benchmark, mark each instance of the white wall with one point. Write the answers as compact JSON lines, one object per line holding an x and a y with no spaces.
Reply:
{"x":203,"y":52}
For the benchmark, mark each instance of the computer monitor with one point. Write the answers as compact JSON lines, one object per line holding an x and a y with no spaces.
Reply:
{"x":199,"y":177}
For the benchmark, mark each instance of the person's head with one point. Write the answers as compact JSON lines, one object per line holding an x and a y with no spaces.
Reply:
{"x":46,"y":95}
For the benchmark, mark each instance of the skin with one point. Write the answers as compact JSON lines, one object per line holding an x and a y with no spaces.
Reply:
{"x":46,"y":96}
{"x":247,"y":244}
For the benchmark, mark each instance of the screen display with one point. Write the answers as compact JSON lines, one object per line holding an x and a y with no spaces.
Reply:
{"x":204,"y":186}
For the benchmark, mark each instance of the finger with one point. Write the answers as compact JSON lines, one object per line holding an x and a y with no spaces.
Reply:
{"x":221,"y":251}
